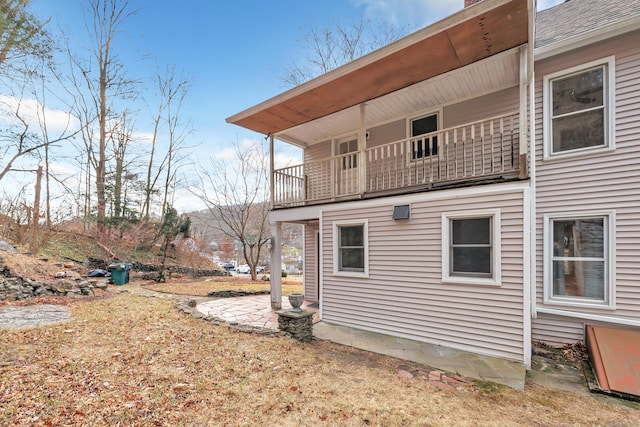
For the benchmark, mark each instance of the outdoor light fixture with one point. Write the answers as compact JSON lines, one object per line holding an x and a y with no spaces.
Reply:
{"x":401,"y":212}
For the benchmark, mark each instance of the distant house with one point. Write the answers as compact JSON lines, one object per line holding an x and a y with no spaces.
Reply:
{"x":474,"y":184}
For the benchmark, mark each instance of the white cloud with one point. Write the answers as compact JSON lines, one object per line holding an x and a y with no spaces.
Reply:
{"x":57,"y":121}
{"x":415,"y":13}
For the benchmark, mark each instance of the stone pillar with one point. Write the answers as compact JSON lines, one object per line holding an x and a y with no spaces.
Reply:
{"x":298,"y":325}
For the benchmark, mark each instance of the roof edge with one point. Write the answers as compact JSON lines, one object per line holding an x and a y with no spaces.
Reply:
{"x":435,"y":28}
{"x":587,"y":38}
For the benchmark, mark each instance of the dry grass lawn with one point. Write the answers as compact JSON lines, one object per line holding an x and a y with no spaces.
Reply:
{"x":136,"y":361}
{"x":202,"y":288}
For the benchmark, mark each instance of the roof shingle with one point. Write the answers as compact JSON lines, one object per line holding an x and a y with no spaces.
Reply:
{"x":575,"y":17}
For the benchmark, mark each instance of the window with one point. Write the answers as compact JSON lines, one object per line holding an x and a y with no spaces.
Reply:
{"x":428,"y":146}
{"x":578,"y":259}
{"x":350,"y":248}
{"x":346,"y":147}
{"x":471,"y":247}
{"x":578,"y":108}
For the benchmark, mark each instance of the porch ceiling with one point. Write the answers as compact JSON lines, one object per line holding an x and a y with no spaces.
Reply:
{"x":498,"y":72}
{"x":474,"y":33}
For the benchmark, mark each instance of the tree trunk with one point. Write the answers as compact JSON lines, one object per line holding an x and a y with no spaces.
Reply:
{"x":33,"y":243}
{"x":101,"y":164}
{"x":117,"y":189}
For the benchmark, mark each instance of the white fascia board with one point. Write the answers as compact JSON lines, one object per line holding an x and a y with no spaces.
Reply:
{"x":407,"y":199}
{"x":295,"y":214}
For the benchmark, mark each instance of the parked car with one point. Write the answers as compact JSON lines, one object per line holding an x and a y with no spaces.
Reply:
{"x":228,"y":266}
{"x":243,"y":269}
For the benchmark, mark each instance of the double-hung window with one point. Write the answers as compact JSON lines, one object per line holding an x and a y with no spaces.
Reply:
{"x":578,"y":109}
{"x":578,"y":259}
{"x":350,"y":247}
{"x":471,"y":247}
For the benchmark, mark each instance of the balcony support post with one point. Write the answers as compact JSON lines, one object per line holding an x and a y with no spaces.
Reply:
{"x":522,"y":137}
{"x":362,"y":146}
{"x":271,"y":169}
{"x":276,"y":266}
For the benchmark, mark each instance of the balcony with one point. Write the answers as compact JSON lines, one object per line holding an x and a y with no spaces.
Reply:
{"x":481,"y":151}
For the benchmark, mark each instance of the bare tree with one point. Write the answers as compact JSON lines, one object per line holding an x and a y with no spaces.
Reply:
{"x":20,"y":140}
{"x":172,"y":90}
{"x":120,"y":136}
{"x":328,"y":48}
{"x":97,"y":90}
{"x":235,"y":192}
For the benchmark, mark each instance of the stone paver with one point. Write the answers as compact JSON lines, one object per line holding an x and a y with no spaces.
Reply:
{"x":251,"y":310}
{"x":32,"y":316}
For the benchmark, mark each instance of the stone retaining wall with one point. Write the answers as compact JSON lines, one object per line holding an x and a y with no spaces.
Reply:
{"x":93,"y":263}
{"x":17,"y":288}
{"x":235,"y":293}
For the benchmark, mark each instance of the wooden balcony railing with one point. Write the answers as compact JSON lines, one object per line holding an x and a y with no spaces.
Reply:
{"x":477,"y":151}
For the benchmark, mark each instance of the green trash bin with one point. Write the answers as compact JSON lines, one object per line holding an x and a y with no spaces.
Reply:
{"x":119,"y":272}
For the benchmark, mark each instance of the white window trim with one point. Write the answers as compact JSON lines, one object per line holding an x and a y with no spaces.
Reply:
{"x":496,"y":280}
{"x":609,"y":106}
{"x":336,"y":253}
{"x":609,"y":253}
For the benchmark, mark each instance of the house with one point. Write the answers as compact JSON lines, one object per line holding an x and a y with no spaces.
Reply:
{"x":475,"y":184}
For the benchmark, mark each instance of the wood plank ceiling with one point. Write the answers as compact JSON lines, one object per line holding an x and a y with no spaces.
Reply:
{"x":483,"y":30}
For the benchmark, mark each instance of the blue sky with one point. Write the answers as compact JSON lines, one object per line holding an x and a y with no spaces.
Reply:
{"x":232,"y":50}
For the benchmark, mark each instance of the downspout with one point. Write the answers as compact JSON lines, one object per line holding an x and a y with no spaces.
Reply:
{"x":532,"y":156}
{"x":529,"y":197}
{"x":526,"y":203}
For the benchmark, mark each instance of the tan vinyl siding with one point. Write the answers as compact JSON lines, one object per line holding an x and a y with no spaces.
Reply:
{"x":490,"y":105}
{"x":310,"y":263}
{"x":316,"y":152}
{"x":404,"y":294}
{"x":384,"y":134}
{"x":557,"y":330}
{"x":598,"y":181}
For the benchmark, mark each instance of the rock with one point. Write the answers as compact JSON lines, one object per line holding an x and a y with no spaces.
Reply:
{"x":4,"y":246}
{"x":404,"y":374}
{"x":443,"y":386}
{"x":435,"y":375}
{"x":102,"y":284}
